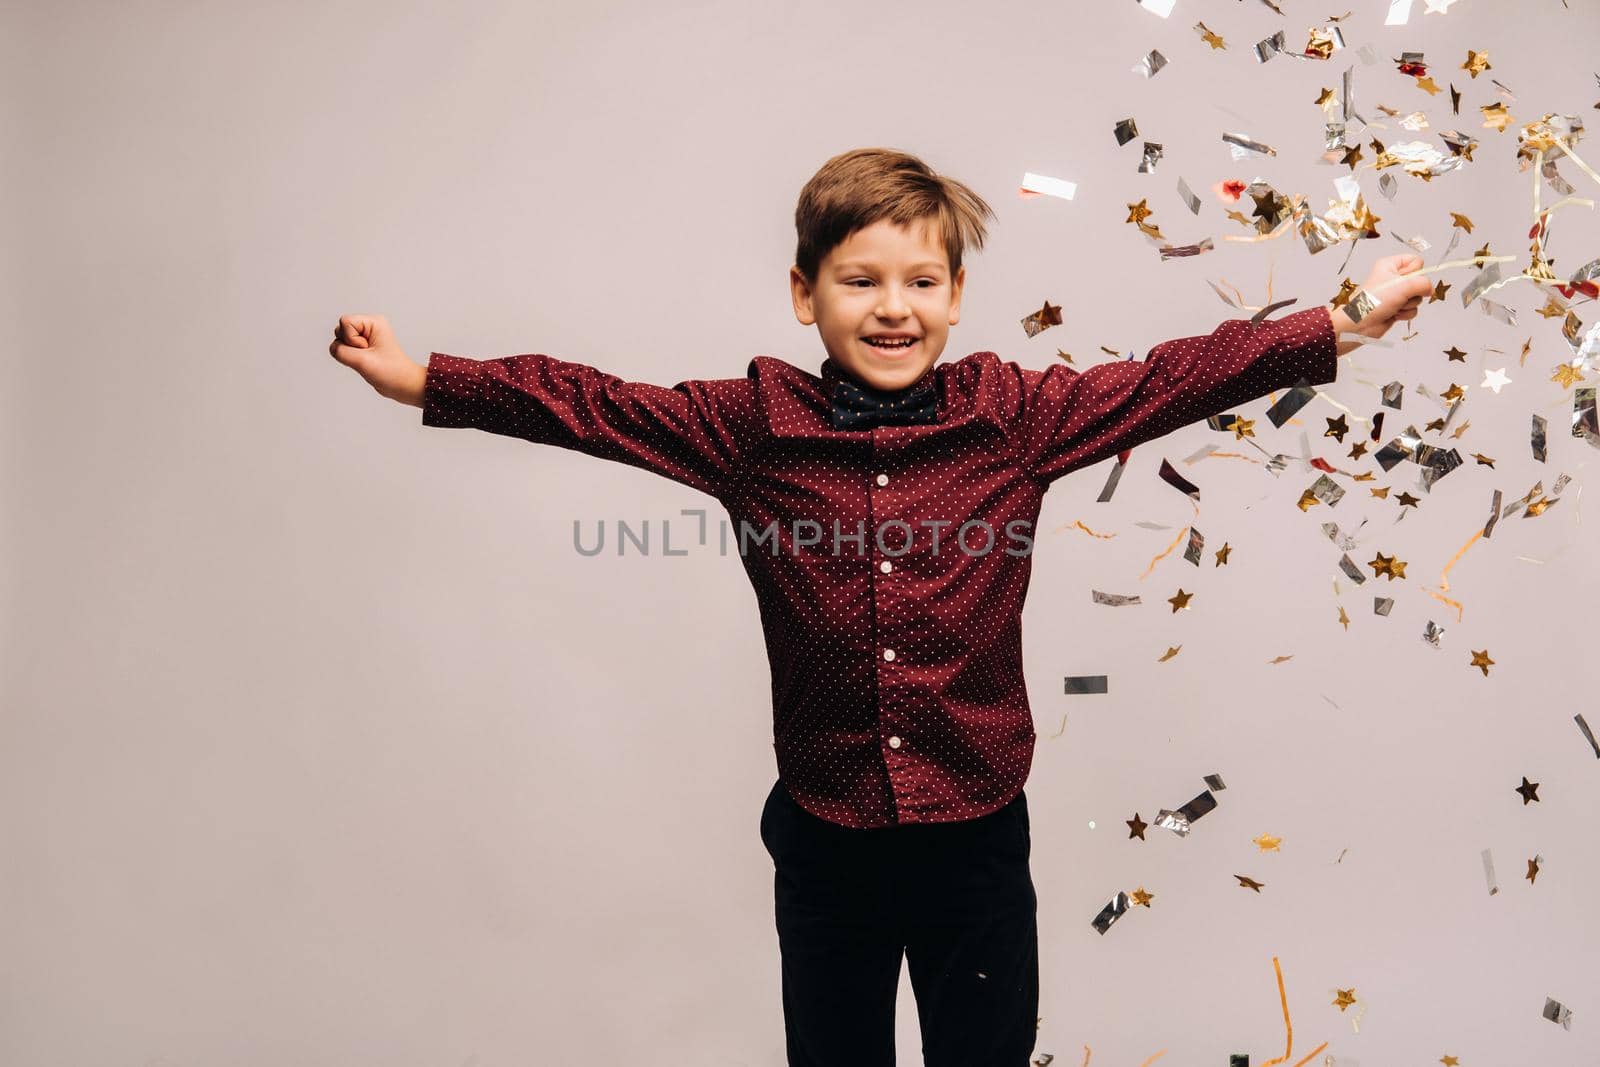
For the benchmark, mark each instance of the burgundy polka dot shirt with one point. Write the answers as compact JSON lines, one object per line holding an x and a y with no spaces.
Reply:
{"x":889,"y":563}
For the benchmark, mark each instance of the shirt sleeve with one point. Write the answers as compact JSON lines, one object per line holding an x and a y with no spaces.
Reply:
{"x":1073,"y":419}
{"x":686,"y":432}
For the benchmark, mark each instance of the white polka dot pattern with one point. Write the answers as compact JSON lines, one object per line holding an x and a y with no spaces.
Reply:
{"x":897,"y":691}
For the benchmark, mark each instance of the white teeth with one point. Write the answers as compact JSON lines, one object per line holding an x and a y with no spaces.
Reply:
{"x":903,"y":343}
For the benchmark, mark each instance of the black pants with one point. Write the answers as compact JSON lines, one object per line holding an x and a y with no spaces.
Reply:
{"x":956,"y":899}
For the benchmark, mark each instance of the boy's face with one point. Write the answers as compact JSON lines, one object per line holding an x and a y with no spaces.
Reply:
{"x":884,"y":279}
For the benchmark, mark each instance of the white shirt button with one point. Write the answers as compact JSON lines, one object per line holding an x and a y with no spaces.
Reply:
{"x":888,"y":653}
{"x":886,"y":566}
{"x":894,"y":742}
{"x":883,"y":479}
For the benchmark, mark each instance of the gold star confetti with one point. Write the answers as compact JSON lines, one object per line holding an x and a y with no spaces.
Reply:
{"x":1141,"y":898}
{"x":1477,"y":63}
{"x":1344,"y":619}
{"x":1172,"y":651}
{"x":1387,"y":565}
{"x":1064,"y":355}
{"x":1351,"y":156}
{"x":1179,"y":601}
{"x":1455,"y":392}
{"x":1242,"y":428}
{"x":1460,"y":221}
{"x":1136,"y":826}
{"x":1455,"y":354}
{"x":1382,"y":493}
{"x":1347,"y":289}
{"x":1553,"y":309}
{"x":1495,"y":116}
{"x":1529,"y":790}
{"x":1439,"y":290}
{"x":1566,"y":374}
{"x":1482,"y":253}
{"x":1455,"y":99}
{"x":1138,"y":212}
{"x":1337,"y":428}
{"x":1307,"y":499}
{"x":1436,"y":424}
{"x":1325,"y":99}
{"x":1406,"y":500}
{"x":1210,"y":38}
{"x":1358,"y":450}
{"x":1345,"y":998}
{"x":1533,"y":868}
{"x":1249,"y":883}
{"x":1483,"y":460}
{"x":1482,"y":661}
{"x":1267,"y":843}
{"x":1222,"y":554}
{"x":1449,"y":1061}
{"x":1279,"y":659}
{"x":1427,"y":86}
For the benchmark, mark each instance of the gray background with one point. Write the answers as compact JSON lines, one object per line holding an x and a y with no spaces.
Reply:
{"x":321,"y":745}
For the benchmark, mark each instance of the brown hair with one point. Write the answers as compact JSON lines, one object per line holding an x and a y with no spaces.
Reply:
{"x":857,"y":188}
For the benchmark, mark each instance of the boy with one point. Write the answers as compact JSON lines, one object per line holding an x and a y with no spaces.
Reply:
{"x":898,"y":825}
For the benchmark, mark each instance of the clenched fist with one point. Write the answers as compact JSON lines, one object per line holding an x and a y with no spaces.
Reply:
{"x":1396,"y":294}
{"x":367,"y":345}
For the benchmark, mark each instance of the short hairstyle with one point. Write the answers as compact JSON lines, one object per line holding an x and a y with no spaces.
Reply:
{"x":857,"y":188}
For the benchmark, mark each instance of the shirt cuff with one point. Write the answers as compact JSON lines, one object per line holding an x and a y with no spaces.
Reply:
{"x":1308,"y":340}
{"x":452,"y":391}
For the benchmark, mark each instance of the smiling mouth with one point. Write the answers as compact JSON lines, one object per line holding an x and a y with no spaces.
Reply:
{"x":898,"y":346}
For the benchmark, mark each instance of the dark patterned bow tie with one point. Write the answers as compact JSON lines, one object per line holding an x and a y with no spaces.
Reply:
{"x":859,"y":407}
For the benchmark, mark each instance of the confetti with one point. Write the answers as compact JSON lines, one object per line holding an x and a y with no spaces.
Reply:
{"x":1041,"y":185}
{"x":1077,"y":685}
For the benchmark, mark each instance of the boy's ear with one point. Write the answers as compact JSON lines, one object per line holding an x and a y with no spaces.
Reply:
{"x":955,"y":294}
{"x":800,"y":293}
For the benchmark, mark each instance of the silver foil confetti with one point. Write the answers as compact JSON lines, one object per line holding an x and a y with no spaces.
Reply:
{"x":1494,"y":515}
{"x":1214,"y":783}
{"x":1585,"y":421}
{"x":1498,"y":311}
{"x":1488,"y":872}
{"x":1270,"y":308}
{"x":1381,"y":605}
{"x":1271,"y":46}
{"x":1079,"y":684}
{"x":1360,"y":305}
{"x":1432,"y":632}
{"x":1392,"y":394}
{"x":1114,"y":600}
{"x":1240,"y":141}
{"x":1177,"y":251}
{"x":1290,"y":402}
{"x":1152,"y":156}
{"x":1150,"y":64}
{"x":1351,"y":570}
{"x":1113,"y":476}
{"x":1557,"y":1013}
{"x":1485,"y":280}
{"x":1115,"y":909}
{"x":1126,"y":130}
{"x":1188,"y":196}
{"x":1180,"y":821}
{"x":1537,"y":437}
{"x":1588,"y":734}
{"x":1327,"y":490}
{"x":1197,"y":544}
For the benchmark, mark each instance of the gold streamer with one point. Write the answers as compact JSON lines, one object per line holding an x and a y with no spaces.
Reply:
{"x":1287,"y":1026}
{"x":1181,"y":535}
{"x":1154,"y":1058}
{"x":1079,"y":525}
{"x":1444,"y":576}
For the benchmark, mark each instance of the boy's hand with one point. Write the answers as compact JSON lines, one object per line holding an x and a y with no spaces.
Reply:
{"x":1397,"y":297}
{"x":366,"y":344}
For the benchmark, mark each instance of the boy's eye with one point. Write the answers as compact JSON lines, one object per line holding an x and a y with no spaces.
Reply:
{"x":865,"y":281}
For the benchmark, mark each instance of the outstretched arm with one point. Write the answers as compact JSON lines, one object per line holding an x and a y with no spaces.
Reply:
{"x":688,"y":432}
